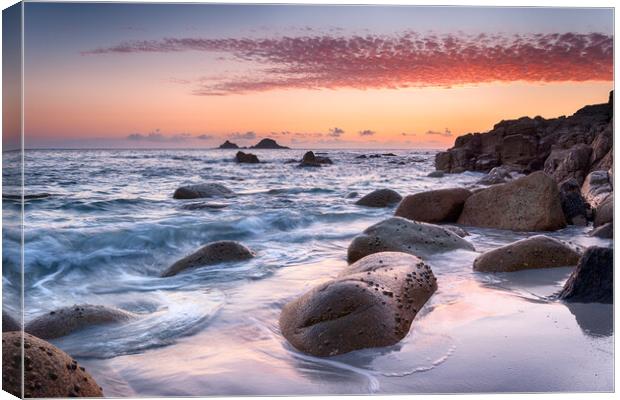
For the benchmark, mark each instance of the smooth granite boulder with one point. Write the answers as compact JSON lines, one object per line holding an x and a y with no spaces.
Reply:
{"x":49,"y":372}
{"x":63,"y":321}
{"x":530,"y":203}
{"x":372,"y":304}
{"x":532,"y":253}
{"x":212,"y":253}
{"x":403,"y":235}
{"x":443,"y":205}
{"x":593,"y":279}
{"x":380,"y":198}
{"x":202,"y":190}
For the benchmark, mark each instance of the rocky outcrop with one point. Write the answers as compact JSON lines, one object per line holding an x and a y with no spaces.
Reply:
{"x":312,"y":160}
{"x":530,"y":203}
{"x":212,"y":253}
{"x":443,"y":205}
{"x":246,"y":158}
{"x":202,"y":191}
{"x":268,"y":144}
{"x":48,"y":371}
{"x":228,"y":145}
{"x":604,"y":213}
{"x":372,"y":304}
{"x":9,"y":324}
{"x":399,"y":234}
{"x":605,"y":231}
{"x":380,"y":198}
{"x":565,"y":147}
{"x":593,"y":279}
{"x":66,"y":320}
{"x":532,"y":253}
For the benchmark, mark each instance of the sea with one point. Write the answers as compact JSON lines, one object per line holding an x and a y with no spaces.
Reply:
{"x":110,"y":226}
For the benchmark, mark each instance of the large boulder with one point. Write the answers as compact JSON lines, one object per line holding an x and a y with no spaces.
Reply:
{"x":202,"y":190}
{"x":596,"y":187}
{"x":532,"y":253}
{"x":372,"y":304}
{"x":246,"y":158}
{"x":9,"y":324}
{"x":605,"y":231}
{"x":48,"y":371}
{"x":604,"y":213}
{"x":443,"y":205}
{"x":400,"y":234}
{"x":380,"y":198}
{"x":593,"y":279}
{"x":530,"y":203}
{"x":212,"y":253}
{"x":63,"y":321}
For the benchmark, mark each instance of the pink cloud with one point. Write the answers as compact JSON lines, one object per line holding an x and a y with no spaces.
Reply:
{"x":407,"y":60}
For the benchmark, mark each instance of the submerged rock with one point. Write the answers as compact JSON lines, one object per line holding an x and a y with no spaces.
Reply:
{"x":593,"y":279}
{"x":532,"y":253}
{"x":399,"y":234}
{"x":212,"y":253}
{"x":66,"y":320}
{"x":605,"y":231}
{"x":436,"y":174}
{"x":204,"y":206}
{"x":246,"y":158}
{"x":9,"y":323}
{"x":202,"y":190}
{"x":380,"y":198}
{"x":530,"y":203}
{"x":372,"y":304}
{"x":443,"y":205}
{"x":352,"y":195}
{"x":49,"y":372}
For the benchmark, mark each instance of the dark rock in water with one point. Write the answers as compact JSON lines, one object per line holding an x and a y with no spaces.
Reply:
{"x":389,"y":155}
{"x":63,"y":321}
{"x":593,"y":279}
{"x":604,"y":213}
{"x":605,"y":231}
{"x":268,"y":144}
{"x":399,"y":234}
{"x":247,"y":158}
{"x":312,"y":160}
{"x":362,"y":156}
{"x":532,"y":253}
{"x":9,"y":323}
{"x":456,"y":229}
{"x":352,"y":195}
{"x":573,"y":205}
{"x":372,"y":304}
{"x":436,"y":174}
{"x":26,"y":196}
{"x":228,"y":145}
{"x":443,"y":205}
{"x":203,"y":206}
{"x":212,"y":253}
{"x":202,"y":191}
{"x":531,"y":203}
{"x":49,"y":372}
{"x":564,"y":147}
{"x":380,"y":198}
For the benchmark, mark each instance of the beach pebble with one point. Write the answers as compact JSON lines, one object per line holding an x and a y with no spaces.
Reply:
{"x":605,"y":231}
{"x":593,"y":279}
{"x":380,"y":198}
{"x":530,"y":203}
{"x":49,"y":372}
{"x":371,"y":304}
{"x":65,"y":320}
{"x":212,"y":253}
{"x":399,"y":234}
{"x":202,"y":190}
{"x":246,"y":158}
{"x":9,"y":323}
{"x":443,"y":205}
{"x":532,"y":253}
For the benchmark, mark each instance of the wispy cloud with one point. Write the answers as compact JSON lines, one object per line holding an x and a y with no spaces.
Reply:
{"x":243,"y":136}
{"x":447,"y":132}
{"x":410,"y":59}
{"x":335,"y":132}
{"x":366,"y":132}
{"x":159,"y":137}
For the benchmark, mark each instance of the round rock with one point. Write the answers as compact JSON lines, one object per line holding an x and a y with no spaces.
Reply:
{"x":202,"y":190}
{"x":443,"y":205}
{"x":399,"y":234}
{"x":380,"y":198}
{"x":65,"y":320}
{"x":212,"y":253}
{"x":49,"y":372}
{"x":532,"y":253}
{"x":372,"y":304}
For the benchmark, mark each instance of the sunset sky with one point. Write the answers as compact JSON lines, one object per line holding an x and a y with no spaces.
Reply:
{"x":181,"y":75}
